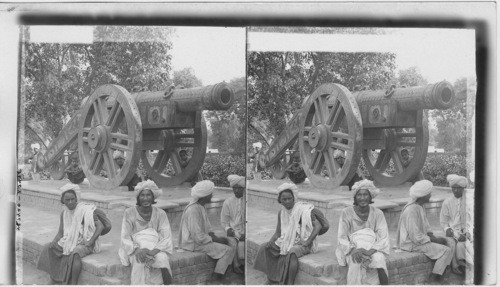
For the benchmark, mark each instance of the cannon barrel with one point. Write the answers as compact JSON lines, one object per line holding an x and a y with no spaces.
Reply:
{"x":213,"y":97}
{"x":435,"y":96}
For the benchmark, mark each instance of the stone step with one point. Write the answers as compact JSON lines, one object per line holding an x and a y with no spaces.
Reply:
{"x":39,"y":227}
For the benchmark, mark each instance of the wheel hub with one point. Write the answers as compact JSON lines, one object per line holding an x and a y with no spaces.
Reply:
{"x":318,"y":137}
{"x":98,"y":138}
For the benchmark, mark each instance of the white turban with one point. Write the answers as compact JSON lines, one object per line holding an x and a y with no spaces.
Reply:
{"x":291,"y":187}
{"x":338,"y":153}
{"x":420,"y":189}
{"x":201,"y":189}
{"x":148,"y":184}
{"x":365,"y":184}
{"x":236,"y":180}
{"x":118,"y":154}
{"x":71,"y":186}
{"x":35,"y":145}
{"x":257,"y":144}
{"x":454,"y":179}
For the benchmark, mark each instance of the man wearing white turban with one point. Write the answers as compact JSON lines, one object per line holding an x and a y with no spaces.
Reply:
{"x":414,"y":235}
{"x":80,"y":226}
{"x":363,"y":238}
{"x":146,"y":238}
{"x":232,"y":218}
{"x":119,"y":158}
{"x":298,"y":225}
{"x":195,"y":232}
{"x":339,"y":157}
{"x":453,"y":219}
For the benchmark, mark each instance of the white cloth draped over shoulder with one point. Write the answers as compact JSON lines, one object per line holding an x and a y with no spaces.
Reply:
{"x":74,"y":232}
{"x":292,"y":231}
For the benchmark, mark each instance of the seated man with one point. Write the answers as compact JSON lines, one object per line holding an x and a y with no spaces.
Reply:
{"x":146,"y":238}
{"x":184,"y":162}
{"x":295,"y":171}
{"x":405,"y":161}
{"x":119,"y":158}
{"x":453,"y":220}
{"x":363,"y":238}
{"x":414,"y":234}
{"x":297,"y":226}
{"x":339,"y":157}
{"x":232,"y":218}
{"x":195,"y":230}
{"x":74,"y":171}
{"x":80,"y":226}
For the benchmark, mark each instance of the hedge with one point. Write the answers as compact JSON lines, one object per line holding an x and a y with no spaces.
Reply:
{"x":436,"y":168}
{"x":218,"y":166}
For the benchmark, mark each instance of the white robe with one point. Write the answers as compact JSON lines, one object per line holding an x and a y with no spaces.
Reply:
{"x":412,"y":236}
{"x":153,"y":234}
{"x":193,"y":236}
{"x":352,"y":234}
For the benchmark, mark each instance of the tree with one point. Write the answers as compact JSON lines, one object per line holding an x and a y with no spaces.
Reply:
{"x":186,"y":78}
{"x":228,"y":127}
{"x":411,"y":77}
{"x":452,"y":124}
{"x":278,"y":82}
{"x":57,"y":77}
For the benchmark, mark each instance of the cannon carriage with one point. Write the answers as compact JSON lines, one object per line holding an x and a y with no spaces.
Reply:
{"x":369,"y":126}
{"x":151,"y":127}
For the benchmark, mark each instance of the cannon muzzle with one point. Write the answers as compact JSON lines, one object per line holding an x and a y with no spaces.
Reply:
{"x":214,"y":97}
{"x":435,"y":96}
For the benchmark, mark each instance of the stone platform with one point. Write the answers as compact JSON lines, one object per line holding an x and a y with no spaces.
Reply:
{"x":40,"y":213}
{"x":322,"y":267}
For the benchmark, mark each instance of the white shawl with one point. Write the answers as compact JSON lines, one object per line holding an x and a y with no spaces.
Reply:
{"x":291,"y":231}
{"x":74,"y":232}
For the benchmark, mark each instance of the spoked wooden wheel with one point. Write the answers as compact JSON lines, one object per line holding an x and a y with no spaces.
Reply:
{"x":110,"y":122}
{"x":383,"y":157}
{"x":165,"y":165}
{"x":330,"y":122}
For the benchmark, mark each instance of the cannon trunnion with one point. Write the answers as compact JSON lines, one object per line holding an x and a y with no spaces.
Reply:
{"x":148,"y":126}
{"x":375,"y":126}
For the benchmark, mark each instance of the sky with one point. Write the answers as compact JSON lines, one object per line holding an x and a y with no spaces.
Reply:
{"x":440,"y":54}
{"x":215,"y":53}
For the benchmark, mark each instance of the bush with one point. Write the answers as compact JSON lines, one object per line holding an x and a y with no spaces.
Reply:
{"x":438,"y":166}
{"x":218,"y":166}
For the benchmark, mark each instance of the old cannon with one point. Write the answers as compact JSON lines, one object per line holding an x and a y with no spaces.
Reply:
{"x":148,"y":126}
{"x":373,"y":125}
